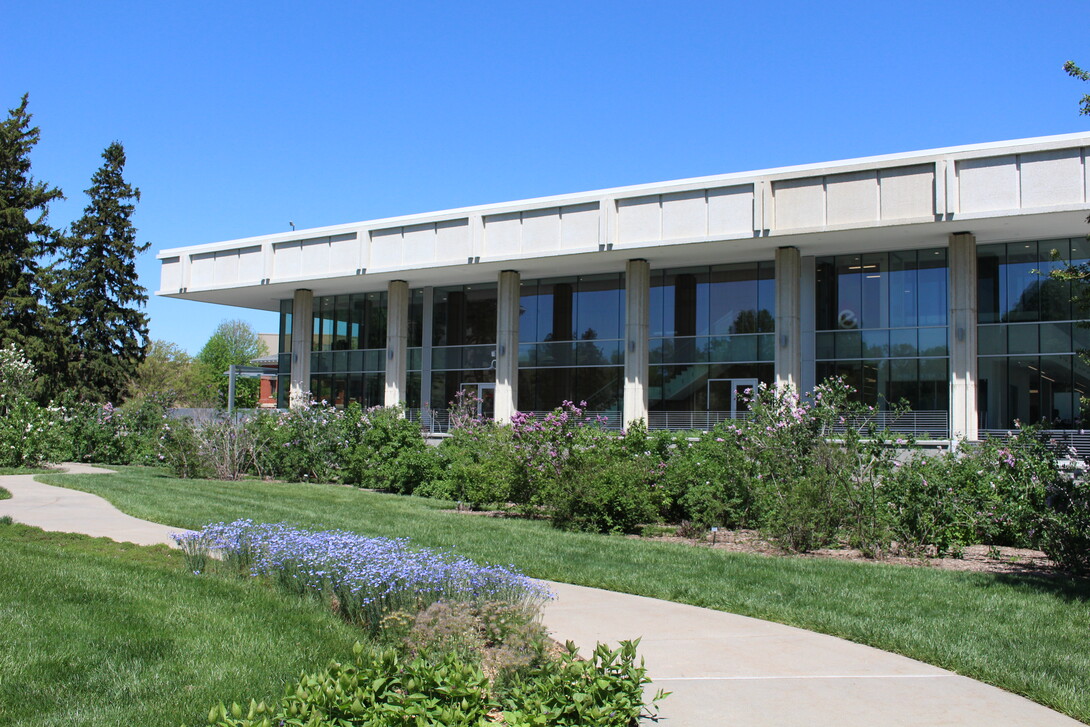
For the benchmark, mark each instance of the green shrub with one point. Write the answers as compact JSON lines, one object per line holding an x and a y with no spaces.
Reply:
{"x":180,"y":449}
{"x":29,"y":434}
{"x":385,"y":451}
{"x":379,"y":690}
{"x":612,"y":495}
{"x":709,"y":482}
{"x":604,"y":691}
{"x":1064,"y":523}
{"x":304,"y":444}
{"x":476,"y":465}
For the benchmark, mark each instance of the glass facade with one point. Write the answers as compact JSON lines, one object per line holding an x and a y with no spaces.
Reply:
{"x":1029,"y":335}
{"x":347,"y":348}
{"x":463,"y":353}
{"x":711,"y":332}
{"x":571,"y":345}
{"x":881,"y":322}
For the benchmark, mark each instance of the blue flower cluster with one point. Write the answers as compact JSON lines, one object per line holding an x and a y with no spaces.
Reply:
{"x":362,"y":578}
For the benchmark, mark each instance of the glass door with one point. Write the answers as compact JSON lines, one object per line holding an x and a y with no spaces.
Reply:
{"x":485,"y":396}
{"x":730,"y":395}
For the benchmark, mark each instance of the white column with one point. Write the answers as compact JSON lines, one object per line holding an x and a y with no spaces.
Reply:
{"x":397,"y":338}
{"x":788,"y":331}
{"x":507,"y":345}
{"x":637,"y":299}
{"x":302,"y":324}
{"x":963,"y":364}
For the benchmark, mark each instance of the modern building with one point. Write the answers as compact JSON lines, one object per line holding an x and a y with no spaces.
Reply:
{"x":919,"y":277}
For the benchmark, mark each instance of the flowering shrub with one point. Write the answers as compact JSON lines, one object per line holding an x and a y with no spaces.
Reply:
{"x":17,"y":375}
{"x":304,"y":444}
{"x":362,"y":578}
{"x":29,"y":434}
{"x":1065,"y":523}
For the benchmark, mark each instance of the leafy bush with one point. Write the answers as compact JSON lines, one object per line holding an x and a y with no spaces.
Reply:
{"x":180,"y":449}
{"x":385,"y":450}
{"x":476,"y":465}
{"x":29,"y":434}
{"x":610,"y":496}
{"x":1064,"y":523}
{"x":304,"y":444}
{"x":707,"y":481}
{"x":380,"y":690}
{"x":606,"y":690}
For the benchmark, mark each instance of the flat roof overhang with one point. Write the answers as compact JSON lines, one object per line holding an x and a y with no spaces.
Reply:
{"x":1045,"y":226}
{"x":1032,"y":189}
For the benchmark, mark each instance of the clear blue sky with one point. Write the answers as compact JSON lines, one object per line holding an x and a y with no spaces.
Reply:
{"x":240,"y":116}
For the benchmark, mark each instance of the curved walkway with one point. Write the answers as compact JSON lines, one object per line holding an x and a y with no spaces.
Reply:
{"x":723,"y":669}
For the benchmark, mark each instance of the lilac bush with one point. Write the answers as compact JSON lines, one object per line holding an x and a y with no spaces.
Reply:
{"x":362,"y":578}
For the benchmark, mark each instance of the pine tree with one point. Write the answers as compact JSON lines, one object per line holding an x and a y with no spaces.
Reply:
{"x":97,"y":289}
{"x":25,"y":237}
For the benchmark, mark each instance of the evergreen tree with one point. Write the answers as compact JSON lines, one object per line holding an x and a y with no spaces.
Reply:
{"x":25,"y":237}
{"x":97,"y":292}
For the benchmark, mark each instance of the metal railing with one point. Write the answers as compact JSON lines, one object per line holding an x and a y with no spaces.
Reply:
{"x":1064,"y":443}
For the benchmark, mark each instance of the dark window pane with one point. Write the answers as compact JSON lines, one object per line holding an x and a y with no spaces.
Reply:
{"x":902,"y":342}
{"x":931,"y":280}
{"x":599,"y":307}
{"x":849,"y":291}
{"x":991,"y":390}
{"x":989,"y":270}
{"x":902,"y":289}
{"x":991,"y":339}
{"x":1022,"y":294}
{"x":1056,"y":338}
{"x":875,"y":303}
{"x":1022,"y":339}
{"x":933,"y":341}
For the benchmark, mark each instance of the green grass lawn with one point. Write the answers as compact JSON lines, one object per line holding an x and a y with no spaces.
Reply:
{"x":100,"y":633}
{"x":23,"y":470}
{"x":1026,"y":634}
{"x":4,"y":494}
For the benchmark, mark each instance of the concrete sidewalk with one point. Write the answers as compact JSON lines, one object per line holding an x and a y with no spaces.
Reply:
{"x":723,"y":669}
{"x":61,"y":509}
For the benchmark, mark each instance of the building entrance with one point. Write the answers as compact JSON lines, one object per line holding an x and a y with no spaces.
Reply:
{"x":485,"y":396}
{"x":730,"y":395}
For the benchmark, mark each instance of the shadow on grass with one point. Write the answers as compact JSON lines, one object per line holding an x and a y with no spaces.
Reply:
{"x":1058,"y":585}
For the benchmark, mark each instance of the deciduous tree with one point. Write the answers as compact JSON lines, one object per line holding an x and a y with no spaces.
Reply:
{"x":233,"y":342}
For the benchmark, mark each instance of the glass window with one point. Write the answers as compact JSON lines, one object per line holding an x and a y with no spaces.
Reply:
{"x":285,"y":326}
{"x":600,"y":307}
{"x":989,"y":266}
{"x":1021,"y":298}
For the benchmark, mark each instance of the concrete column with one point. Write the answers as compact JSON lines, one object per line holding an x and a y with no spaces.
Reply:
{"x":808,"y":322}
{"x":963,"y":364}
{"x":302,"y":325}
{"x":637,"y":305}
{"x":788,"y":331}
{"x":507,"y":345}
{"x":397,"y":339}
